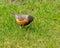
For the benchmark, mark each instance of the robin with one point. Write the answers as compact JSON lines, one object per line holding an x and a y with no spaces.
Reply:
{"x":23,"y":19}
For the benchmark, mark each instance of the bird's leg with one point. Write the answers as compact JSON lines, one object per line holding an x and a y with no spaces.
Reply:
{"x":21,"y":26}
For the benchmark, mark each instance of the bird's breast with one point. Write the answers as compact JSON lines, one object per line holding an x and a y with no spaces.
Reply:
{"x":22,"y":22}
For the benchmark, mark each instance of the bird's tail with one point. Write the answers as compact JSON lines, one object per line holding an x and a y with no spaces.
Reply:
{"x":13,"y":14}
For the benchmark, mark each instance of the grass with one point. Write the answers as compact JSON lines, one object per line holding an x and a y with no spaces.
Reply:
{"x":44,"y":32}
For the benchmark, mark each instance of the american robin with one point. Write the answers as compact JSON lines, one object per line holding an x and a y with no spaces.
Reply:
{"x":23,"y":19}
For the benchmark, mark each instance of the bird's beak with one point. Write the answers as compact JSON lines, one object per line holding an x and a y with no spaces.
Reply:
{"x":33,"y":20}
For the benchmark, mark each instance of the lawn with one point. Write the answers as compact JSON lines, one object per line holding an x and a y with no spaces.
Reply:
{"x":44,"y":32}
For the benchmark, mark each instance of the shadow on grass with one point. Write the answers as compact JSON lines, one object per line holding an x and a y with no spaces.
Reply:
{"x":28,"y":29}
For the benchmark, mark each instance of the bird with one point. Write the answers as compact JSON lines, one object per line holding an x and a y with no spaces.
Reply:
{"x":23,"y":19}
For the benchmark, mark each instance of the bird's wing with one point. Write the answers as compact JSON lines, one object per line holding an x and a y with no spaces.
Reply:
{"x":22,"y":17}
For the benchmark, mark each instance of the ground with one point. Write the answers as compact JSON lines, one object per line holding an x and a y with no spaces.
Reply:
{"x":44,"y":32}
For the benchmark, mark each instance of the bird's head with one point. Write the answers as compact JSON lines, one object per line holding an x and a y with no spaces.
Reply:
{"x":30,"y":18}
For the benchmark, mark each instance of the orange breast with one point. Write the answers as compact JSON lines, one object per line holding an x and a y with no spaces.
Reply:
{"x":23,"y":22}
